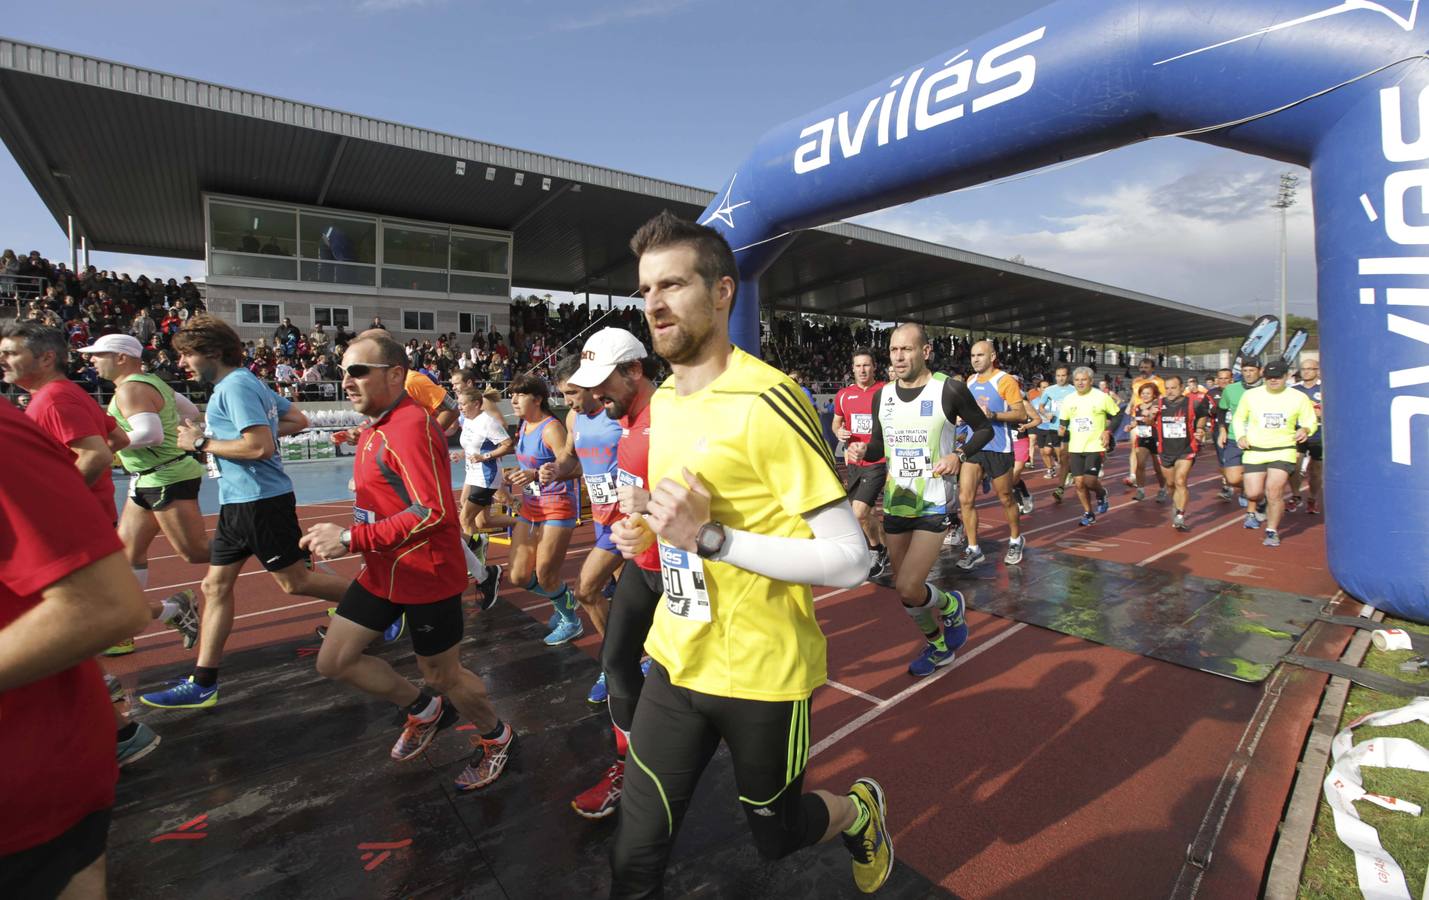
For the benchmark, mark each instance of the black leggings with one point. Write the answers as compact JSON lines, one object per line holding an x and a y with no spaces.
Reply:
{"x":677,"y":731}
{"x":637,"y":593}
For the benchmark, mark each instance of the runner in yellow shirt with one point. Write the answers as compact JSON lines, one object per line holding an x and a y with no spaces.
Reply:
{"x":750,"y":511}
{"x":1271,"y":422}
{"x":1087,"y":420}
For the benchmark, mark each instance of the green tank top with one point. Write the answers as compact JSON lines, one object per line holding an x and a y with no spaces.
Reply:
{"x":916,"y":435}
{"x":170,"y":464}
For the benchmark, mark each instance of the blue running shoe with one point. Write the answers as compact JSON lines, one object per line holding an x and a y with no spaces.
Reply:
{"x":143,"y":742}
{"x":1251,"y":521}
{"x":608,"y":592}
{"x":396,"y":629}
{"x":956,"y":635}
{"x":986,"y":484}
{"x":182,"y":695}
{"x":1087,"y":519}
{"x":955,"y":618}
{"x":1272,"y":539}
{"x":1103,"y":505}
{"x":1243,"y":502}
{"x":566,"y":630}
{"x":553,"y":621}
{"x":598,"y":692}
{"x":930,"y":660}
{"x":645,"y":667}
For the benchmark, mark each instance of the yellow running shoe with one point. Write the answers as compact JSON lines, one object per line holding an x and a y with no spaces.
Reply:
{"x":871,"y":848}
{"x":123,"y":648}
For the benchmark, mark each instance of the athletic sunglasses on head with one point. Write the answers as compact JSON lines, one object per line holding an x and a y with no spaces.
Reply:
{"x":358,"y":370}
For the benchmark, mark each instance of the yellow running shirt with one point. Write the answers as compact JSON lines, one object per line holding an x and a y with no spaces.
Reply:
{"x":1085,"y":416}
{"x":1269,"y":422}
{"x":754,"y":440}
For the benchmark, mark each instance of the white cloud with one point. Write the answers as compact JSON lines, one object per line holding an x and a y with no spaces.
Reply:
{"x":1208,"y":239}
{"x":639,"y":9}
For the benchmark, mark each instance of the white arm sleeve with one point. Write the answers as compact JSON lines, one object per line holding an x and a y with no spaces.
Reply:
{"x":145,"y":430}
{"x":186,"y":408}
{"x":837,"y":555}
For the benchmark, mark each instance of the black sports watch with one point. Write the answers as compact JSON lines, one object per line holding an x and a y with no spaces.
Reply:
{"x":200,"y":442}
{"x":709,"y":540}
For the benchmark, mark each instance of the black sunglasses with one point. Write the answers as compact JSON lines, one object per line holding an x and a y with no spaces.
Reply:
{"x":361,"y":370}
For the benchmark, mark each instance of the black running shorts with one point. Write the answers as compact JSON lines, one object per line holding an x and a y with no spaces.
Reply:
{"x":865,"y":483}
{"x":904,"y":524}
{"x":480,"y":496}
{"x":1169,"y":460}
{"x":1253,"y":468}
{"x":992,"y":463}
{"x":1048,"y":437}
{"x":434,"y":627}
{"x":267,"y":529}
{"x":1085,"y":464}
{"x":43,"y":871}
{"x":156,"y":499}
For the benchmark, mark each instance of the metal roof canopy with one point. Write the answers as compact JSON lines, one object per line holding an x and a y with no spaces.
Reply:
{"x":153,"y":143}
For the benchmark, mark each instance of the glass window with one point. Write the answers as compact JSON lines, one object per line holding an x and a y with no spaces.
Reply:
{"x":253,"y":266}
{"x":338,"y":238}
{"x":418,"y":320}
{"x":410,"y":247}
{"x":332,"y":316}
{"x":479,"y":254}
{"x":413,"y":280}
{"x":485,"y":285}
{"x":337,"y":273}
{"x":251,"y":313}
{"x":253,"y":229}
{"x":472,"y":323}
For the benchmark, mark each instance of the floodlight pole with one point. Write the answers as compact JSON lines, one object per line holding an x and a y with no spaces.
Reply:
{"x":1284,"y":199}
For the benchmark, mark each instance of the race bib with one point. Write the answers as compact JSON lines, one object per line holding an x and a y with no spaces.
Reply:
{"x":1173,"y":428}
{"x":1082,"y":424}
{"x":1272,"y":420}
{"x":210,"y":461}
{"x":362,"y":516}
{"x":601,"y":489}
{"x":683,"y":574}
{"x":628,"y":478}
{"x":912,"y":462}
{"x":1143,"y":431}
{"x":861,"y":423}
{"x":533,"y":488}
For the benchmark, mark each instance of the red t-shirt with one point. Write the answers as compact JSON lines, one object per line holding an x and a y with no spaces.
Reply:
{"x":67,"y":414}
{"x":632,"y":460}
{"x":406,"y":525}
{"x":855,"y":406}
{"x":56,"y":734}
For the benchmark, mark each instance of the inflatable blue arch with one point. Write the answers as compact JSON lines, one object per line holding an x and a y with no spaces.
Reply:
{"x":1340,"y":88}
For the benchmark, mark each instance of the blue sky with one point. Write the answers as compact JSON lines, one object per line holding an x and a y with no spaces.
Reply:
{"x":681,"y":90}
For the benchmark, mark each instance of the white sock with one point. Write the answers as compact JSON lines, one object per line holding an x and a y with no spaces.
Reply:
{"x":473,"y":565}
{"x":142,"y":575}
{"x":974,"y":548}
{"x":430,"y":710}
{"x":170,"y":610}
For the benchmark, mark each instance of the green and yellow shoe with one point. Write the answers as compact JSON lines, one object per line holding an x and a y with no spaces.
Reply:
{"x":871,"y":847}
{"x":123,"y":648}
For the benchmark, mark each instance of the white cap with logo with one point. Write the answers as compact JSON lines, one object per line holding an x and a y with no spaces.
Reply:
{"x":603,"y":351}
{"x":116,"y":343}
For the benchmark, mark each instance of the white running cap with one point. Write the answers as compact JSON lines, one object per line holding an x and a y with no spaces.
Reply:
{"x":116,"y":343}
{"x":603,"y":351}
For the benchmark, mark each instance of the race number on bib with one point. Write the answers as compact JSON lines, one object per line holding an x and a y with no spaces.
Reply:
{"x":683,"y":575}
{"x":1082,"y":424}
{"x":1272,"y":420}
{"x":1173,"y":428}
{"x":861,"y":423}
{"x":210,"y":461}
{"x":912,"y":462}
{"x":629,"y":478}
{"x":601,"y":488}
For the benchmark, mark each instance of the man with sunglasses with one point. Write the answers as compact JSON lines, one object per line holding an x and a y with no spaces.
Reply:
{"x":408,"y":532}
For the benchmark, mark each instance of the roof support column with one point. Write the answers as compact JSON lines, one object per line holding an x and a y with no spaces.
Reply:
{"x":84,"y":250}
{"x":73,"y":245}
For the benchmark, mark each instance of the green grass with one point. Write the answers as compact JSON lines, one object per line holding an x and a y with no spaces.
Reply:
{"x":1329,"y":865}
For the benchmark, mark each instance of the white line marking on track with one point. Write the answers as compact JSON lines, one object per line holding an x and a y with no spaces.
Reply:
{"x":853,"y":691}
{"x":181,"y":584}
{"x":883,"y":706}
{"x":1191,"y":540}
{"x":261,"y":612}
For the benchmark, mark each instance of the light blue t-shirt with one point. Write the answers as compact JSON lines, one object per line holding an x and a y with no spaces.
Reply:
{"x":240,"y":401}
{"x":1051,"y":400}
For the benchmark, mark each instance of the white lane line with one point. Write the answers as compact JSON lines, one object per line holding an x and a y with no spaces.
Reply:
{"x":262,"y":612}
{"x":885,"y":705}
{"x":853,"y":691}
{"x":170,"y":587}
{"x":1122,"y":505}
{"x":1191,"y":540}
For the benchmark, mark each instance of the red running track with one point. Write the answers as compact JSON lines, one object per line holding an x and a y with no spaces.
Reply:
{"x":1038,"y":764}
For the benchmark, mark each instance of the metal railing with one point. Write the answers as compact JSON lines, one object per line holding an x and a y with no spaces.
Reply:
{"x":17,"y":290}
